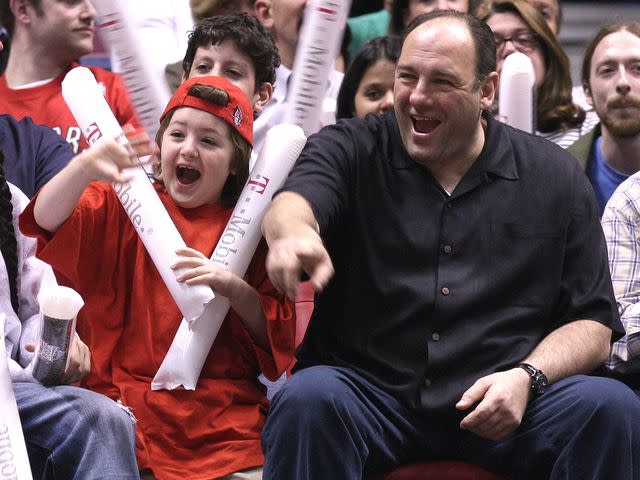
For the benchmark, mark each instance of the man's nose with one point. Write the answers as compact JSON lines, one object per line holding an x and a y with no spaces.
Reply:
{"x":622,"y":84}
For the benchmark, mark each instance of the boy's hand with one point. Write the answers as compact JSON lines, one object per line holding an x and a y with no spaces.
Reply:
{"x":200,"y":270}
{"x":106,"y":159}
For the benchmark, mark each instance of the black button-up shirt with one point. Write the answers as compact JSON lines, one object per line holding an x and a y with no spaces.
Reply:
{"x":433,"y":291}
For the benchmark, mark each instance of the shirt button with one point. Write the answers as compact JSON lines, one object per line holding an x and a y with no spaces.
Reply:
{"x":447,"y":249}
{"x":427,"y":383}
{"x":445,"y":291}
{"x":435,"y":337}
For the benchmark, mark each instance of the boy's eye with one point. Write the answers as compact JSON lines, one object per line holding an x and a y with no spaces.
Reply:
{"x":203,"y":67}
{"x":176,"y":134}
{"x":234,"y":73}
{"x":209,"y":141}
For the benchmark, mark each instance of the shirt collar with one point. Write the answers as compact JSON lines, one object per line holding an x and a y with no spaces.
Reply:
{"x":496,"y":157}
{"x":283,"y":74}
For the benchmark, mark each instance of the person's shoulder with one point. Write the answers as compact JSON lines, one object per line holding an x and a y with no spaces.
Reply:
{"x":536,"y":152}
{"x":625,"y":201}
{"x":362,"y":128}
{"x":106,"y":77}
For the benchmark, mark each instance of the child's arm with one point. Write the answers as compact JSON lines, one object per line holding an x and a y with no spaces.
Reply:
{"x":103,"y":161}
{"x":244,"y":299}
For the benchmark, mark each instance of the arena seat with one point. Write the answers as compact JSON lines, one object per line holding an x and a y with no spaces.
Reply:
{"x":441,"y":470}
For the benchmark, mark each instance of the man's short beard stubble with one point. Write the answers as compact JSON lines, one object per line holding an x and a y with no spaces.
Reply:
{"x":625,"y":125}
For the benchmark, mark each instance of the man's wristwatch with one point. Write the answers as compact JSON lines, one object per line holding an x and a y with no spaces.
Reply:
{"x":539,"y":382}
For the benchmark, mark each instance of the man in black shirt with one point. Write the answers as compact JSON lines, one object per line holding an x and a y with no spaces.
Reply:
{"x":470,"y":291}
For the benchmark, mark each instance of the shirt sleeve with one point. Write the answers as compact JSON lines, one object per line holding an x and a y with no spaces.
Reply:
{"x":84,"y":253}
{"x":620,"y":225}
{"x":52,"y":155}
{"x":323,"y":171}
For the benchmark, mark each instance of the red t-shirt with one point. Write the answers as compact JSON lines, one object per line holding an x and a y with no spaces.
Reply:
{"x":129,"y":321}
{"x":45,"y":105}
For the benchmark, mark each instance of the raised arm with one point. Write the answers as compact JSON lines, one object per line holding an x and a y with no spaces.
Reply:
{"x":103,"y":161}
{"x":295,"y":246}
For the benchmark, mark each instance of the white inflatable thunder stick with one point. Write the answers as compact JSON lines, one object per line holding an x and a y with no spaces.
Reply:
{"x":14,"y":461}
{"x":138,"y":197}
{"x":516,"y":100}
{"x":319,"y":42}
{"x":192,"y":343}
{"x":149,"y":93}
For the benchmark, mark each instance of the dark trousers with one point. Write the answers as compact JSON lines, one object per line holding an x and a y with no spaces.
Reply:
{"x":331,"y":423}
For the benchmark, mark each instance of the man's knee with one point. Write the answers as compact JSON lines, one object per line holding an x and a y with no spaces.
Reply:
{"x":99,"y":413}
{"x":599,"y":398}
{"x":316,"y":390}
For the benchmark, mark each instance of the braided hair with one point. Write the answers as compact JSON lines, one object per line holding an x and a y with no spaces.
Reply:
{"x":8,"y":243}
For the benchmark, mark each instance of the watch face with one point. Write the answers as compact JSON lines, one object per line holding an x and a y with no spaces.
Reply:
{"x":540,"y":383}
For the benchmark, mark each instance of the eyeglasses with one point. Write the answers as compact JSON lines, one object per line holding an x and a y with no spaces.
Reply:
{"x":523,"y":41}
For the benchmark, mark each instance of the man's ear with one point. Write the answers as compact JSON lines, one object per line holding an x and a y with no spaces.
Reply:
{"x":20,"y":10}
{"x":488,"y":90}
{"x":587,"y":94}
{"x":264,"y":13}
{"x":262,"y":97}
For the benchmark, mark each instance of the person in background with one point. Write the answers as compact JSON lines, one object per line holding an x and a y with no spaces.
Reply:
{"x":237,"y":47}
{"x":34,"y":154}
{"x":551,"y":10}
{"x":161,"y":28}
{"x":201,"y":9}
{"x":610,"y":153}
{"x":283,"y":19}
{"x":367,"y":86}
{"x":369,"y":26}
{"x":47,"y":38}
{"x":517,"y":26}
{"x":404,"y":11}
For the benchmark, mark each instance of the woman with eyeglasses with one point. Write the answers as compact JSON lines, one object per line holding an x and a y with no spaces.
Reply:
{"x":518,"y":26}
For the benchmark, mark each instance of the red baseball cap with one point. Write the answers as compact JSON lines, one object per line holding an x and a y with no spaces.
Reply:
{"x":237,"y":113}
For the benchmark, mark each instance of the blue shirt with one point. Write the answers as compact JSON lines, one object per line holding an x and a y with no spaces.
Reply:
{"x":603,"y":177}
{"x":33,"y":153}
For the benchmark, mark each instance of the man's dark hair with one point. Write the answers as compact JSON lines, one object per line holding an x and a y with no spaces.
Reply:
{"x":631,"y":26}
{"x":8,"y":20}
{"x":249,"y":36}
{"x":399,"y":10}
{"x":482,"y":36}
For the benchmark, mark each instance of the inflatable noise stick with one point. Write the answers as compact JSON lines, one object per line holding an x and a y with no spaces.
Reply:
{"x":149,"y":93}
{"x":14,"y":461}
{"x":319,"y":42}
{"x":516,"y":102}
{"x":234,"y":251}
{"x":138,"y":197}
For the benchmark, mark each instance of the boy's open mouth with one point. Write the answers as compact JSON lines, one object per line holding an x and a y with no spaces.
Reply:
{"x":187,"y":175}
